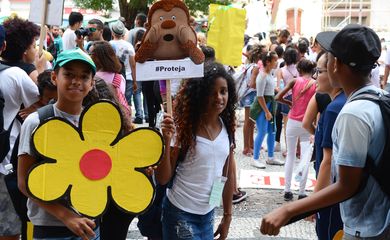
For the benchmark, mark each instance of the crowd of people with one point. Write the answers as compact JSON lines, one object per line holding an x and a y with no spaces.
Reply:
{"x":304,"y":89}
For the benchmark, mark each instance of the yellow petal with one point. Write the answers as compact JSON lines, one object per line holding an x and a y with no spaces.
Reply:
{"x":55,"y":138}
{"x":89,"y":197}
{"x":141,"y":148}
{"x":101,"y":124}
{"x":132,"y":191}
{"x":48,"y":182}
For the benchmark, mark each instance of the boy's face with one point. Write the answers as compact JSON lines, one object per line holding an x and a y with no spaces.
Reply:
{"x":74,"y":80}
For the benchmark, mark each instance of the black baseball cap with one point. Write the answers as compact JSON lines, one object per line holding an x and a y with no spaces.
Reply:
{"x":355,"y":45}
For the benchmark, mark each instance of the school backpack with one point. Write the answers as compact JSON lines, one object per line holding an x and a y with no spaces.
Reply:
{"x":380,"y":172}
{"x":4,"y":133}
{"x":240,"y":80}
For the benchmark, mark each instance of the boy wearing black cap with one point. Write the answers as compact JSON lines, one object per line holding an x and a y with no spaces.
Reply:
{"x":73,"y":76}
{"x":358,"y":131}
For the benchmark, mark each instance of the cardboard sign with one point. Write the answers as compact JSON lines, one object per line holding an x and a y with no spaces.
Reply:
{"x":54,"y":12}
{"x":94,"y":163}
{"x":168,"y":69}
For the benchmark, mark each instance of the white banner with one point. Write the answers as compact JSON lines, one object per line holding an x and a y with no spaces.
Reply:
{"x":168,"y":69}
{"x":271,"y":180}
{"x":54,"y":12}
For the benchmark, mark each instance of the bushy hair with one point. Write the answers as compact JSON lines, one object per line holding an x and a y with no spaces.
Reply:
{"x":19,"y":35}
{"x":267,"y":57}
{"x":290,"y":56}
{"x":75,"y":17}
{"x":191,"y":100}
{"x":105,"y":58}
{"x":306,"y":66}
{"x":256,"y":53}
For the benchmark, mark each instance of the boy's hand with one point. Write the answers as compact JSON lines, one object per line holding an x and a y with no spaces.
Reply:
{"x":272,"y":222}
{"x":223,"y":228}
{"x":81,"y":226}
{"x":167,"y":127}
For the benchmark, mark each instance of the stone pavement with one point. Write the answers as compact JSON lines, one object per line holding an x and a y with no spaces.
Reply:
{"x":247,"y":214}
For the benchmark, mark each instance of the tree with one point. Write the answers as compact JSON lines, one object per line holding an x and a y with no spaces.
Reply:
{"x":101,"y":5}
{"x":129,"y":8}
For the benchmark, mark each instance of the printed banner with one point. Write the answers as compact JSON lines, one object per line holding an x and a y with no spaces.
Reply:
{"x":271,"y":180}
{"x":54,"y":12}
{"x":168,"y":69}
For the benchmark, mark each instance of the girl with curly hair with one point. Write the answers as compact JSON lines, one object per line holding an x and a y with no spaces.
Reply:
{"x":200,"y":156}
{"x":21,"y":47}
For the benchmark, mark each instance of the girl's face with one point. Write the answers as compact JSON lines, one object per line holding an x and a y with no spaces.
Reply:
{"x":321,"y":74}
{"x":219,"y":96}
{"x":273,"y":63}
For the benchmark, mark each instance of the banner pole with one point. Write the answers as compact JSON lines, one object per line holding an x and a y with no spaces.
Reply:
{"x":42,"y":36}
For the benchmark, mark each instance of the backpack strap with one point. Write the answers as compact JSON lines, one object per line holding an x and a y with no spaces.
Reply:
{"x":45,"y":112}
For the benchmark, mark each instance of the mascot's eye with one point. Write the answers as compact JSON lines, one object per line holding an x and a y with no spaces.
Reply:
{"x":161,"y":18}
{"x":173,"y":17}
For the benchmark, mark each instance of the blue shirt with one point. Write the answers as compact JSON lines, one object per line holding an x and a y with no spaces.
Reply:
{"x":323,"y":136}
{"x":358,"y":131}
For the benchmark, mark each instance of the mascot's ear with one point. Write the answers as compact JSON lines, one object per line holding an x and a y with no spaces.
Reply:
{"x":147,"y":25}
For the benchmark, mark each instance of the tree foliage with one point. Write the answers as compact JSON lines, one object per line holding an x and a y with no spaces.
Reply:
{"x":99,"y":5}
{"x":129,"y":9}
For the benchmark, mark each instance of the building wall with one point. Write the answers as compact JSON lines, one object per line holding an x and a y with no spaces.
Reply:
{"x":311,"y":12}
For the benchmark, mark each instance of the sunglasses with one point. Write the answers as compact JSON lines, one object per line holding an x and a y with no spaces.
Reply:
{"x":92,"y":29}
{"x":318,"y":71}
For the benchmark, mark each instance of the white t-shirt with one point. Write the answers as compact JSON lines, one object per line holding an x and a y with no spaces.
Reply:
{"x":17,"y":88}
{"x":69,"y":39}
{"x":36,"y":214}
{"x":124,"y":50}
{"x":195,"y":175}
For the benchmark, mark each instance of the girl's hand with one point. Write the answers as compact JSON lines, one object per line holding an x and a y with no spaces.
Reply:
{"x":223,"y":228}
{"x":268,"y":116}
{"x":272,"y":222}
{"x":150,"y":170}
{"x":167,"y":127}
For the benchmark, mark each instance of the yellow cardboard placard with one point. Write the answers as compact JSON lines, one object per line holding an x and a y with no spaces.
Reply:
{"x":226,"y":33}
{"x":93,"y":158}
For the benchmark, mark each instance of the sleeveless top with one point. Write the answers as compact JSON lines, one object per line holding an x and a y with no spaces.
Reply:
{"x":301,"y":99}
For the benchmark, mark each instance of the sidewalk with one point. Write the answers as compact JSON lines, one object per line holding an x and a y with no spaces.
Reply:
{"x":247,"y":214}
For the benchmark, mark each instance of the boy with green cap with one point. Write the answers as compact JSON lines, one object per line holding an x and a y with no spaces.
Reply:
{"x":73,"y":75}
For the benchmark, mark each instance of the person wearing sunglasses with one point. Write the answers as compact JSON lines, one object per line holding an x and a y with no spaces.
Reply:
{"x":95,"y":32}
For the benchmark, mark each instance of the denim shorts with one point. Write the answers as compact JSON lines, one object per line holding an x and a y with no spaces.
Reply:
{"x":284,"y":108}
{"x":178,"y":224}
{"x":248,"y":99}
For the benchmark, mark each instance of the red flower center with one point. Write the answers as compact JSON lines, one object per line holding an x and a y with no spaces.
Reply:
{"x":95,"y":164}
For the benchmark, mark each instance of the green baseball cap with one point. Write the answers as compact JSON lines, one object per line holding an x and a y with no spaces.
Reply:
{"x":74,"y":55}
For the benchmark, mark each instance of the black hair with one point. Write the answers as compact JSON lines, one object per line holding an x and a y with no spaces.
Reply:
{"x":19,"y":35}
{"x":99,"y":24}
{"x":141,"y":17}
{"x":75,"y":17}
{"x":107,"y":34}
{"x":208,"y":52}
{"x":249,"y":47}
{"x":44,"y":82}
{"x":279,"y":50}
{"x":267,"y":57}
{"x":284,"y":33}
{"x":319,"y":55}
{"x":303,"y":46}
{"x":290,"y":56}
{"x":246,"y":39}
{"x":306,"y":66}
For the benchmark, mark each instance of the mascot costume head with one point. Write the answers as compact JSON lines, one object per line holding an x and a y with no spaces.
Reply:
{"x":169,"y":35}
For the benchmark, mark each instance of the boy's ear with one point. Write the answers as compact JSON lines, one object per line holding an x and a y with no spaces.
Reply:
{"x":54,"y":78}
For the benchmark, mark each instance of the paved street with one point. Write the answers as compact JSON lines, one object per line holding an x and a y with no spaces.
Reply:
{"x":247,"y":214}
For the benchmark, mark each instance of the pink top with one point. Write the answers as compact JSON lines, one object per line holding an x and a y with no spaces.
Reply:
{"x":109,"y":76}
{"x":301,"y":99}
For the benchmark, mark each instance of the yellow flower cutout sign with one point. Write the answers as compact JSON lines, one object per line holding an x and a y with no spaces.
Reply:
{"x":94,"y":162}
